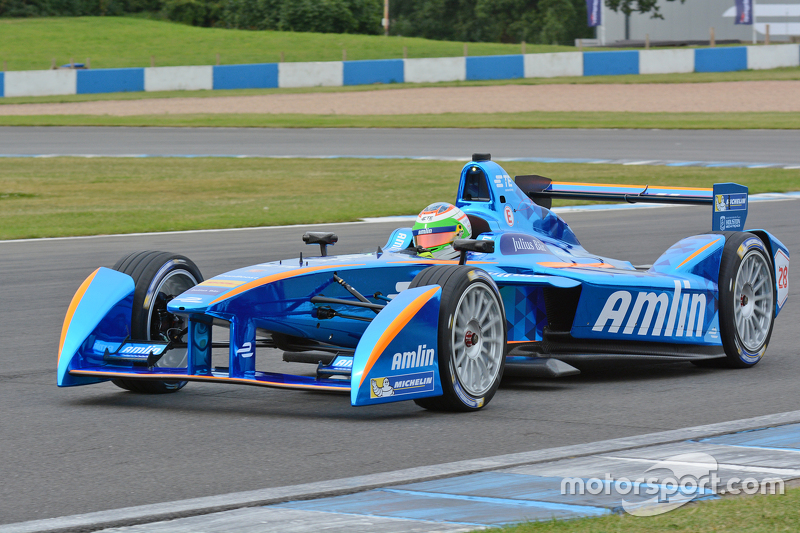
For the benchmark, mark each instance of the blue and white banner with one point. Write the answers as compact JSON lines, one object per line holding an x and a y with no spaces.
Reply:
{"x":744,"y":12}
{"x":594,"y":12}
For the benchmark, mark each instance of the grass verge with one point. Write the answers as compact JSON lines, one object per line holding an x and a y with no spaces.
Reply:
{"x":752,"y":514}
{"x":74,"y":196}
{"x":119,"y":42}
{"x":531,"y":119}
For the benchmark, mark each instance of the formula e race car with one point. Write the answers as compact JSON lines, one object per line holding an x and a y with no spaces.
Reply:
{"x":399,"y":324}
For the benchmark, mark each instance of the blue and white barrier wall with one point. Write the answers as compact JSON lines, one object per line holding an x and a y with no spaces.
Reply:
{"x":430,"y":70}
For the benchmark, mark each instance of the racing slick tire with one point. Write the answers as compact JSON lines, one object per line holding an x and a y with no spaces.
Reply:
{"x":158,"y":277}
{"x":747,"y":296}
{"x":472,"y":337}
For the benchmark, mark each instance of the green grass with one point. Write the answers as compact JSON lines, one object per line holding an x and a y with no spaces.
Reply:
{"x":116,"y":42}
{"x":532,"y":119}
{"x":75,"y":196}
{"x":756,"y":514}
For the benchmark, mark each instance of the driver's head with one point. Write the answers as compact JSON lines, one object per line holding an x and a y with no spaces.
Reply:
{"x":439,"y":224}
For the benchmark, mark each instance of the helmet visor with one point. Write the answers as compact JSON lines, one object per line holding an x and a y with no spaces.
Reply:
{"x":440,"y":238}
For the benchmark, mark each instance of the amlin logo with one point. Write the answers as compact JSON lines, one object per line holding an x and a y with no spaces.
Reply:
{"x":651,"y":304}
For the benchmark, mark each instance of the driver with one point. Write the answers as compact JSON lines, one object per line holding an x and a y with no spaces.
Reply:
{"x":437,"y":226}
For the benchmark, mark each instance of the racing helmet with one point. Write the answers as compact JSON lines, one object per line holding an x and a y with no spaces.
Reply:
{"x":439,"y":224}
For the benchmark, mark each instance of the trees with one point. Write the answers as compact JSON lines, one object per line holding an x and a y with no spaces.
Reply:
{"x":640,"y":6}
{"x":506,"y":21}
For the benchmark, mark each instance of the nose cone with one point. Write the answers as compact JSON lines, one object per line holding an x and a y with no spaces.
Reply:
{"x":185,"y":304}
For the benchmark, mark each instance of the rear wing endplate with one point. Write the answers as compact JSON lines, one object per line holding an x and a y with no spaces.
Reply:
{"x":729,"y":200}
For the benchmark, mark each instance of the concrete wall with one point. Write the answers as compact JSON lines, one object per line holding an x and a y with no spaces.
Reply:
{"x":435,"y":69}
{"x":257,"y":76}
{"x":726,"y":59}
{"x":553,"y":65}
{"x":338,"y":73}
{"x":329,"y":74}
{"x":369,"y":72}
{"x":110,"y":80}
{"x":178,"y":78}
{"x":774,"y":56}
{"x":610,"y":63}
{"x":666,"y":61}
{"x":495,"y":67}
{"x":40,"y":82}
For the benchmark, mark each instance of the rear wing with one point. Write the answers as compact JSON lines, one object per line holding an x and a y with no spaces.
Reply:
{"x":729,"y":200}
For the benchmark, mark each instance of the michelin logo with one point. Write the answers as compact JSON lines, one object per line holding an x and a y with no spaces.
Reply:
{"x":730,"y":202}
{"x":647,"y":304}
{"x":422,"y":357}
{"x":399,"y":385}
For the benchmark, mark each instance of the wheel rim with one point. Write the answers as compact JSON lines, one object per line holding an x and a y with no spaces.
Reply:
{"x":477,"y":339}
{"x":171,"y":285}
{"x":753,"y":301}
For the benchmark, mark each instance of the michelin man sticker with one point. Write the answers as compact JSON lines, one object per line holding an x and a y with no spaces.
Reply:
{"x":381,"y":388}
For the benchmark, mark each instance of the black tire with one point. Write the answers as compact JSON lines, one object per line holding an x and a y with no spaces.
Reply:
{"x":158,"y":277}
{"x":747,"y":296}
{"x":460,"y":286}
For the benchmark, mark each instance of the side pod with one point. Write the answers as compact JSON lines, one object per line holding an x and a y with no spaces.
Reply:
{"x":397,"y":357}
{"x":98,"y":317}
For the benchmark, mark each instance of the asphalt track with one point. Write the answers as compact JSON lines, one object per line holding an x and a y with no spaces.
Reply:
{"x":755,"y":146}
{"x":83,"y":449}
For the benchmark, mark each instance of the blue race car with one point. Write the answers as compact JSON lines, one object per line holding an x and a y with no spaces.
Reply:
{"x":407,"y":323}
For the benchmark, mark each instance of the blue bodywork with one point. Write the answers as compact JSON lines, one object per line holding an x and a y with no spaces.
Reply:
{"x":550,"y":286}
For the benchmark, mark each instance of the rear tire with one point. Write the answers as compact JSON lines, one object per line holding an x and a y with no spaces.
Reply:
{"x":472,"y":337}
{"x":158,"y":277}
{"x":747,"y":296}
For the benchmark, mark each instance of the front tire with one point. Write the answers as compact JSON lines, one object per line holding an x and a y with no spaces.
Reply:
{"x":472,"y":337}
{"x":158,"y":278}
{"x":746,"y":299}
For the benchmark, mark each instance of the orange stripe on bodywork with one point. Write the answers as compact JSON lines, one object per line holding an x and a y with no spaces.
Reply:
{"x":574,"y":265}
{"x":632,"y":186}
{"x":73,"y":305}
{"x":439,"y":262}
{"x":698,"y":252}
{"x":275,"y":277}
{"x":195,"y":377}
{"x":394,"y":328}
